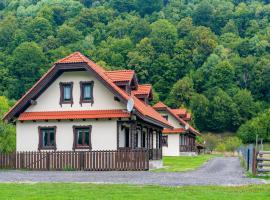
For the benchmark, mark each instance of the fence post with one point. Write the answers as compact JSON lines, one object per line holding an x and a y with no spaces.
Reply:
{"x":48,"y":161}
{"x":254,"y":162}
{"x":248,"y":157}
{"x":81,"y":160}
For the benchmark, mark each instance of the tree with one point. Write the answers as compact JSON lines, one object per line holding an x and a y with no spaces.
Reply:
{"x":181,"y":93}
{"x":199,"y":105}
{"x":222,"y":76}
{"x":146,"y":7}
{"x":39,"y":29}
{"x":259,"y":125}
{"x":67,"y":34}
{"x":28,"y":59}
{"x":232,"y":144}
{"x":7,"y":132}
{"x":203,"y":14}
{"x":223,"y":114}
{"x":163,"y":36}
{"x":245,"y":105}
{"x":211,"y":141}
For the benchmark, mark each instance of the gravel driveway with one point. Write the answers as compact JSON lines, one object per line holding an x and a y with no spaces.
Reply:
{"x":218,"y":171}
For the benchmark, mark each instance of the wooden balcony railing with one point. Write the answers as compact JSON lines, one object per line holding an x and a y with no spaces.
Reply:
{"x":185,"y":148}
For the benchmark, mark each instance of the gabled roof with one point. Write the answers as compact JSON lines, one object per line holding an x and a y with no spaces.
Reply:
{"x":120,"y":75}
{"x":180,"y":111}
{"x":187,"y":117}
{"x":77,"y":61}
{"x":162,"y":106}
{"x":86,"y":114}
{"x":144,"y":91}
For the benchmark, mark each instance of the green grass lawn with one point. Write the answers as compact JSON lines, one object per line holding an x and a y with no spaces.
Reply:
{"x":183,"y":163}
{"x":56,"y":191}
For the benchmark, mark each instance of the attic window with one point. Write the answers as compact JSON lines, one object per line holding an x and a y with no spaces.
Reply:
{"x":165,"y":117}
{"x":66,"y":96}
{"x":86,"y":92}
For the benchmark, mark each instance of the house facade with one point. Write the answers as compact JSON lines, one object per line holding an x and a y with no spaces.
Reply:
{"x":181,"y":139}
{"x":79,"y":106}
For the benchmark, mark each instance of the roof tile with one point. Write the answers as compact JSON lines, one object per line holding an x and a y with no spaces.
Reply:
{"x":87,"y":114}
{"x":120,"y":75}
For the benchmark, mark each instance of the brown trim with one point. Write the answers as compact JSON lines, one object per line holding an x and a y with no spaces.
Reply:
{"x":82,"y":100}
{"x":62,"y":101}
{"x":165,"y":140}
{"x":75,"y":137}
{"x":40,"y":145}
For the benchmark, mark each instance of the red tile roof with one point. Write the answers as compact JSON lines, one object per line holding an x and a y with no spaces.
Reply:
{"x":175,"y":130}
{"x":187,"y":117}
{"x":75,"y":57}
{"x":160,"y":105}
{"x":145,"y":111}
{"x":87,"y":114}
{"x":120,"y":75}
{"x":143,"y":90}
{"x":180,"y":111}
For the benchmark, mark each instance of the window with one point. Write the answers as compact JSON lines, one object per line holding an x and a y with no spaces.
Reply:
{"x":66,"y":96}
{"x":86,"y":92}
{"x":127,"y":137}
{"x":165,"y":140}
{"x":47,"y":139}
{"x":165,"y":117}
{"x":82,"y":137}
{"x":144,"y":138}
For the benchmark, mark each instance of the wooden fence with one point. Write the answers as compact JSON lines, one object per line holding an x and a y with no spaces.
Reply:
{"x":119,"y":160}
{"x":155,"y":154}
{"x":263,"y":161}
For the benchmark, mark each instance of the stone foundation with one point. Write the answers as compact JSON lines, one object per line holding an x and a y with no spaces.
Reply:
{"x":188,"y":154}
{"x":155,"y":164}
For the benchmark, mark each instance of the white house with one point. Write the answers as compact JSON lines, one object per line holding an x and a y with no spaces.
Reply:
{"x":181,"y":139}
{"x":77,"y":106}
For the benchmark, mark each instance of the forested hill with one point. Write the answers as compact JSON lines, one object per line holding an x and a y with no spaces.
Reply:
{"x":211,"y":56}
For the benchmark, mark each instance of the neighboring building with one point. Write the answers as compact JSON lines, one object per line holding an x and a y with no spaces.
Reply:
{"x":77,"y":105}
{"x":181,"y":139}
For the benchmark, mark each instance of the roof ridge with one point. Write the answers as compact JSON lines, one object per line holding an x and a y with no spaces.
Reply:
{"x":120,"y":70}
{"x":76,"y":60}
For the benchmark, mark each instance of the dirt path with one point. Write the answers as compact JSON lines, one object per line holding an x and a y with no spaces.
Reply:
{"x":218,"y":171}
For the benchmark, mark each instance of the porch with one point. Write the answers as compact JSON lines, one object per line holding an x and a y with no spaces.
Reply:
{"x":187,"y":143}
{"x":139,"y":135}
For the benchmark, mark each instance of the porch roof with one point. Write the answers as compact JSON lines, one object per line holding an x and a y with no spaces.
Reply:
{"x":173,"y":131}
{"x":87,"y":114}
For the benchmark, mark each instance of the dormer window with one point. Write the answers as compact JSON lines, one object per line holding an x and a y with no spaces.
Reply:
{"x":86,"y":92}
{"x":66,"y":96}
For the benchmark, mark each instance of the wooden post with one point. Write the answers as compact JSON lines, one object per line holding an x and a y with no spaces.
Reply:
{"x":48,"y":161}
{"x":254,"y":163}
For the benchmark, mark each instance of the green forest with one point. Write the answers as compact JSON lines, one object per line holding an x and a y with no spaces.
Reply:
{"x":209,"y":56}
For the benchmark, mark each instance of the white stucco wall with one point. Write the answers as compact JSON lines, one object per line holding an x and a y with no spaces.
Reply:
{"x":103,"y":135}
{"x":171,"y":119}
{"x":173,"y":146}
{"x":50,"y":98}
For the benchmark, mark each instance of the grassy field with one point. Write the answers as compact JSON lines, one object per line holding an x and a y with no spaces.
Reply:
{"x":183,"y":163}
{"x":120,"y":192}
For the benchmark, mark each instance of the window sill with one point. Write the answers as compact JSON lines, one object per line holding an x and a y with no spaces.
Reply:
{"x":82,"y":147}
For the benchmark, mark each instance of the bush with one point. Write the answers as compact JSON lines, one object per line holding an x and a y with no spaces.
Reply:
{"x":221,"y":147}
{"x":232,"y":144}
{"x":211,"y":141}
{"x":259,"y":125}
